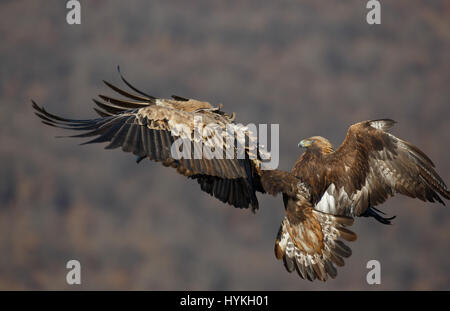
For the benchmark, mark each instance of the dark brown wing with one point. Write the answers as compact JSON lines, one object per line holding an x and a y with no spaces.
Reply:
{"x":371,"y":166}
{"x":276,"y":181}
{"x":308,"y":240}
{"x":148,"y":128}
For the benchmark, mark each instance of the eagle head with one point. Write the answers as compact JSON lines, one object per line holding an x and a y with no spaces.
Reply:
{"x":317,"y":142}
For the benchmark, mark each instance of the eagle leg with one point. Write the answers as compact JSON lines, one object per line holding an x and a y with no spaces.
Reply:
{"x":375,"y":213}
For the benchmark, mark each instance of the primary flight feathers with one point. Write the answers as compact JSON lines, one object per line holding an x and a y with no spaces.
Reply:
{"x":322,"y":194}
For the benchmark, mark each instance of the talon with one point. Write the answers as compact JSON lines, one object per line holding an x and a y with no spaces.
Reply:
{"x":375,"y":213}
{"x":139,"y":158}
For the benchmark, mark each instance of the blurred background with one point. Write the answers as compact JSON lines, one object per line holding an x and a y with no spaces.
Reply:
{"x":314,"y":67}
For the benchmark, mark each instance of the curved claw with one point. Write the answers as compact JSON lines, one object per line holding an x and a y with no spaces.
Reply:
{"x":140,"y":158}
{"x":375,"y":213}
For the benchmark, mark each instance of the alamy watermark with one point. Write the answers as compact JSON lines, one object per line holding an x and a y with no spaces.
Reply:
{"x":373,"y":277}
{"x":373,"y":17}
{"x":73,"y":277}
{"x":73,"y":16}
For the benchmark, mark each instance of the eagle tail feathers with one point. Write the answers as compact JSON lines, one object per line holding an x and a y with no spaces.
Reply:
{"x":312,"y":254}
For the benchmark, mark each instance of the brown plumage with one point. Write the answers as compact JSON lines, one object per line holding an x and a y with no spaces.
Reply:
{"x":322,"y":194}
{"x":370,"y":166}
{"x":148,"y":127}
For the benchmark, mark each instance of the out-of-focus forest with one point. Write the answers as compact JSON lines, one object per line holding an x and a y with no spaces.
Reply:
{"x":314,"y":67}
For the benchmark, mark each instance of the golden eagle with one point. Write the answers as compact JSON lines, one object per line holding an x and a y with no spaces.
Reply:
{"x":322,"y":194}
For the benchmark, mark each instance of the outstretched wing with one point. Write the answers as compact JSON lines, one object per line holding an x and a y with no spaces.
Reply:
{"x":371,"y":166}
{"x":148,"y":127}
{"x":308,"y":241}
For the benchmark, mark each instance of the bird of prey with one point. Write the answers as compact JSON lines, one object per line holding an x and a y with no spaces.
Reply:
{"x":322,"y":194}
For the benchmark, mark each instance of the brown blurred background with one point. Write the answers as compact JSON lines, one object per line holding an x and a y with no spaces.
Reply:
{"x":314,"y":67}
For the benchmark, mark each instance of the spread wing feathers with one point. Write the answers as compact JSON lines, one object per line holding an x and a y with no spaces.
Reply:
{"x":236,"y":192}
{"x":148,"y":127}
{"x":371,"y":166}
{"x":113,"y":106}
{"x":308,"y":240}
{"x":310,"y":244}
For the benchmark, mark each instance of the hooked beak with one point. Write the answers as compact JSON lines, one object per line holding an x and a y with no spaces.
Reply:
{"x":304,"y":143}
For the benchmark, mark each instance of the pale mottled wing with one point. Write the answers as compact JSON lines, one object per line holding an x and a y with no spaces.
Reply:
{"x":308,"y":241}
{"x":148,"y":128}
{"x":371,"y":166}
